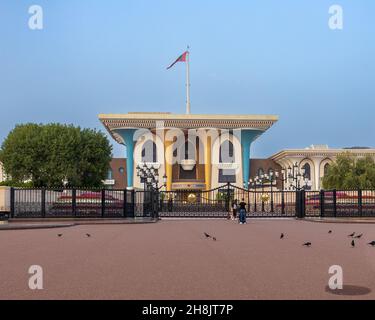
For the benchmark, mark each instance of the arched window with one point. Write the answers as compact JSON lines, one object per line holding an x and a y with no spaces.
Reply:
{"x":226,"y":152}
{"x":307,"y":168}
{"x":326,"y":168}
{"x":189,"y":150}
{"x":226,"y":155}
{"x":149,"y":153}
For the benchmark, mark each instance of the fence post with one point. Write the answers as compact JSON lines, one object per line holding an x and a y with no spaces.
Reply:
{"x":248,"y":201}
{"x":157,"y":204}
{"x":227,"y":204}
{"x":43,"y":200}
{"x":282,"y":202}
{"x":360,"y":201}
{"x":255,"y":200}
{"x":125,"y":208}
{"x":303,"y":203}
{"x":12,"y":202}
{"x":297,"y":204}
{"x":334,"y":203}
{"x":74,"y":202}
{"x":322,"y":206}
{"x":300,"y":203}
{"x":103,"y":203}
{"x":133,"y":203}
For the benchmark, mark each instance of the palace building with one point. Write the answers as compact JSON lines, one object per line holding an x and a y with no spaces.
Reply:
{"x":194,"y":151}
{"x":202,"y":152}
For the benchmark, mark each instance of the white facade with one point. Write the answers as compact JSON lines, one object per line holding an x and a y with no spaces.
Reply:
{"x":317,"y":158}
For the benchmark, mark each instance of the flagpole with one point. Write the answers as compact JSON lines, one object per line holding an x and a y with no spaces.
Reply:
{"x":187,"y":82}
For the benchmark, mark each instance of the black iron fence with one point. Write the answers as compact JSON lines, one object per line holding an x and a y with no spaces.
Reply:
{"x":340,"y":203}
{"x":215,"y":203}
{"x":77,"y":203}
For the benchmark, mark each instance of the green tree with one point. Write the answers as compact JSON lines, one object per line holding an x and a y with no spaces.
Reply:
{"x":50,"y":154}
{"x":350,"y":173}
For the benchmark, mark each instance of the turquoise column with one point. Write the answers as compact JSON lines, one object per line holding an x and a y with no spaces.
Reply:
{"x":247,"y":137}
{"x":128,"y":137}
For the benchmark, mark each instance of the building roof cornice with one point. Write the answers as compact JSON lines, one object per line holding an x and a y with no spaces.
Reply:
{"x":113,"y":122}
{"x":319,"y":153}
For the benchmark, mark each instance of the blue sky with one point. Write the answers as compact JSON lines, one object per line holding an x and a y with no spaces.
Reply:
{"x":250,"y":57}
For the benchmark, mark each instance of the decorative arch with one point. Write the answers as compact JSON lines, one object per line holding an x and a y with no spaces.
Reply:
{"x":223,"y":160}
{"x":149,"y":151}
{"x":226,"y":152}
{"x":147,"y":142}
{"x":322,"y":166}
{"x":325,"y":168}
{"x":226,"y":155}
{"x":309,"y":166}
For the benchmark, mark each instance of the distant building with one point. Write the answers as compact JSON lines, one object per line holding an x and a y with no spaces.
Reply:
{"x":116,"y":176}
{"x":315,"y":160}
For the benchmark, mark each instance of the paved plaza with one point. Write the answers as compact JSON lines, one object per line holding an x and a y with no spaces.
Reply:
{"x":173,"y":259}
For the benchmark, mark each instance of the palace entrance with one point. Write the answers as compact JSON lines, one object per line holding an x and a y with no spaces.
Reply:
{"x":218,"y":202}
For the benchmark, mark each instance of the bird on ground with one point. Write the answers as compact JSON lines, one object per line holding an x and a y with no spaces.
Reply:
{"x":359,"y":236}
{"x":372,"y":243}
{"x":282,"y":236}
{"x":207,"y":235}
{"x":59,"y":235}
{"x":353,"y":244}
{"x":88,"y":235}
{"x":330,"y":231}
{"x":351,"y":235}
{"x":307,"y":244}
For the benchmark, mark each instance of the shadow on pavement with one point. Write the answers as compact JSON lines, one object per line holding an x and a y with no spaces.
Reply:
{"x":349,"y":290}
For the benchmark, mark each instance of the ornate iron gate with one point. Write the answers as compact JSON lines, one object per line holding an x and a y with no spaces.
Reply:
{"x":194,"y":203}
{"x":218,"y":203}
{"x":278,"y":204}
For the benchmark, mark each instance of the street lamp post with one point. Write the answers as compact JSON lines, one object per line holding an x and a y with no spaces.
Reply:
{"x":272,"y":178}
{"x":296,"y":175}
{"x":283,"y":179}
{"x":149,"y":175}
{"x":261,"y":180}
{"x":253,"y":183}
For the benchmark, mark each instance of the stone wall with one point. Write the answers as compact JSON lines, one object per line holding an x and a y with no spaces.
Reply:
{"x":4,"y":199}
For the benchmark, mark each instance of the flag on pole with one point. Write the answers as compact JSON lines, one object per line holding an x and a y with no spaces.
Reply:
{"x":181,"y":58}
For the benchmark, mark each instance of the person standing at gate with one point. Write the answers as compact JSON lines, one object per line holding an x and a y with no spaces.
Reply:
{"x":242,"y":216}
{"x":234,"y":209}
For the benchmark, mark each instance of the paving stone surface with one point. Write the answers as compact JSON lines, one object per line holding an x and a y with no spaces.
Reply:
{"x":172,"y":259}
